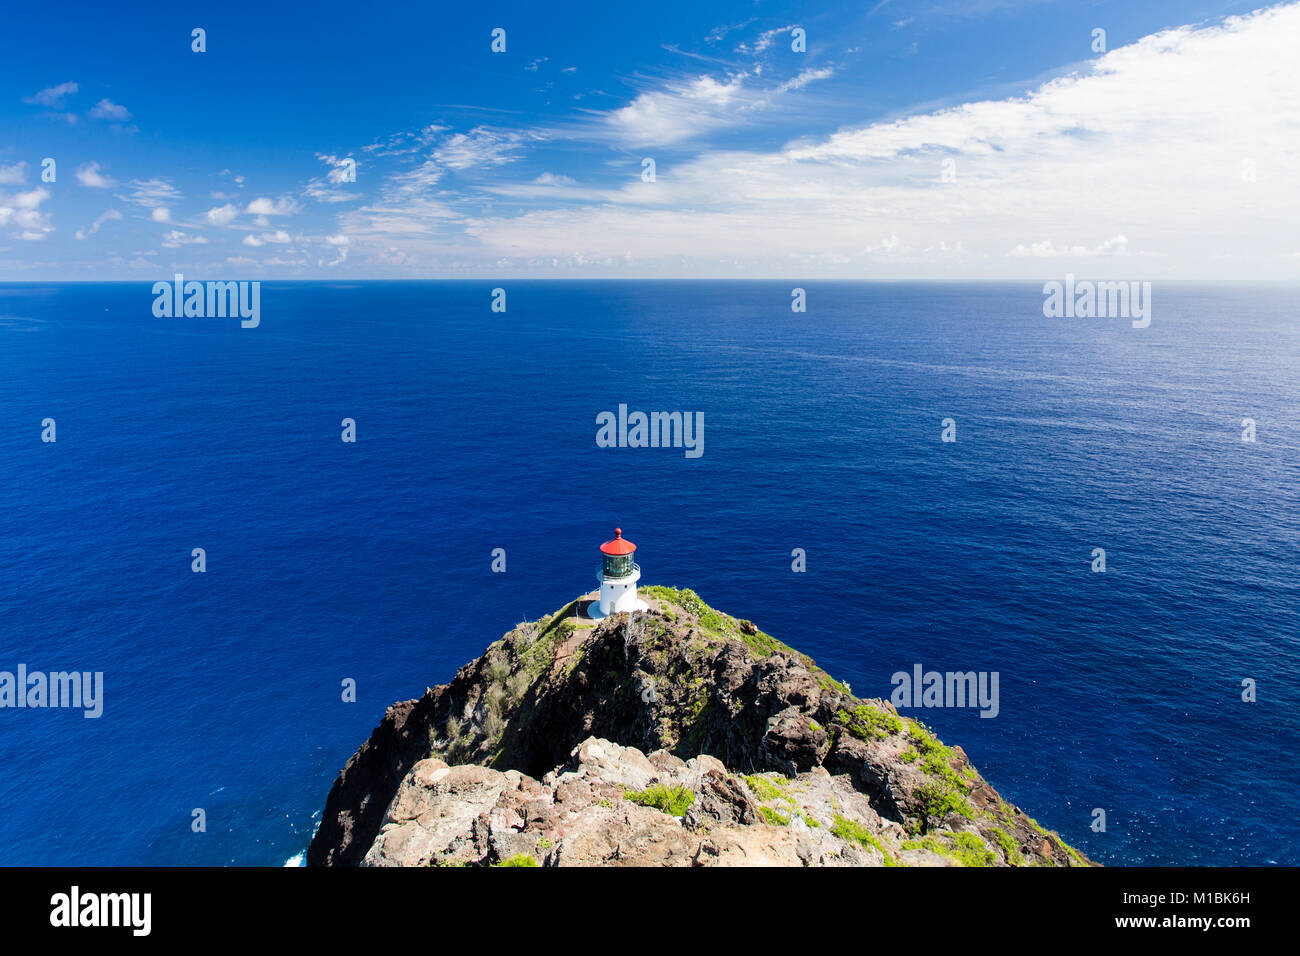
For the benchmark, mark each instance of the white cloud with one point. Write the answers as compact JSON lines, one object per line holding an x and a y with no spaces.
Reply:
{"x":14,"y":175}
{"x":89,"y":175}
{"x":52,"y":96}
{"x":264,"y":207}
{"x":683,"y":110}
{"x":481,"y":146}
{"x":221,"y":215}
{"x":764,"y":40}
{"x":1046,"y":249}
{"x":151,"y":193}
{"x":93,"y":228}
{"x":176,"y":238}
{"x":340,"y":243}
{"x":107,"y":109}
{"x":1144,"y":144}
{"x":343,"y":169}
{"x":161,"y":214}
{"x":278,"y":237}
{"x":689,"y":108}
{"x":22,"y":210}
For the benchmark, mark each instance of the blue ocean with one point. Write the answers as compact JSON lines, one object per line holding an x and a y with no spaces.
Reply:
{"x":371,"y":561}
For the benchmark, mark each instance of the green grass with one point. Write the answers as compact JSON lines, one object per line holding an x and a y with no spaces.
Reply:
{"x":541,"y":652}
{"x":937,"y":758}
{"x":674,"y":801}
{"x":855,"y":832}
{"x":970,"y":850}
{"x":715,"y":624}
{"x":938,"y":800}
{"x":774,"y":818}
{"x":867,"y":722}
{"x":519,"y":859}
{"x":764,"y":787}
{"x":965,"y":849}
{"x":1009,"y":848}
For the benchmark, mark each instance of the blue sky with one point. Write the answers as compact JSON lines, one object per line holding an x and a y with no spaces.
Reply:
{"x":929,"y":139}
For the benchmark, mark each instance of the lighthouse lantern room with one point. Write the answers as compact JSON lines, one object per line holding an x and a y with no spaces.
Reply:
{"x":618,"y":577}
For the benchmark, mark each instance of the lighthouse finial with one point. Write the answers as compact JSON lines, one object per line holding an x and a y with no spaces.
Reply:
{"x":618,"y":532}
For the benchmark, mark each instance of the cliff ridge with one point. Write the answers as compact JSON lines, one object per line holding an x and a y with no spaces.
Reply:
{"x":675,"y":736}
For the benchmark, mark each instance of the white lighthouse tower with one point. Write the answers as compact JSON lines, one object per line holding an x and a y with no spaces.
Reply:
{"x":618,"y":577}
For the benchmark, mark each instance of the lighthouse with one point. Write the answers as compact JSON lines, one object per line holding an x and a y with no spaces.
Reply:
{"x":618,"y":577}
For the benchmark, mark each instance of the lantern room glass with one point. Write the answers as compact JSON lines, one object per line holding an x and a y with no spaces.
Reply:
{"x":617,"y":565}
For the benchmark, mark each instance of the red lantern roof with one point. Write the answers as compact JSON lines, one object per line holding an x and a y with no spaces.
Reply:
{"x":618,"y":545}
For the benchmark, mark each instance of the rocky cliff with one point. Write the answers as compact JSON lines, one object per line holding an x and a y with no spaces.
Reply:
{"x":678,"y":736}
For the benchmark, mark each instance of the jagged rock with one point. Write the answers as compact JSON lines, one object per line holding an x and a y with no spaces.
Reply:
{"x":548,"y":744}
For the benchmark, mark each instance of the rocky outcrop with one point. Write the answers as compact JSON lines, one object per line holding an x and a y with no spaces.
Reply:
{"x":614,"y":806}
{"x":678,"y":736}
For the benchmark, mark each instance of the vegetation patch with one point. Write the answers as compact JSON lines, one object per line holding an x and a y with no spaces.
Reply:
{"x":674,"y":801}
{"x":937,"y":758}
{"x":970,"y":850}
{"x":867,"y":722}
{"x":936,"y":801}
{"x":764,"y":787}
{"x":855,"y":832}
{"x":774,"y":818}
{"x":715,"y":625}
{"x":1010,"y":849}
{"x":519,"y":859}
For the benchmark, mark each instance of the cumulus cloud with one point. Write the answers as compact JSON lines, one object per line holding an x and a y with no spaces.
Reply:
{"x":175,"y":239}
{"x":278,"y":237}
{"x":90,"y":175}
{"x":263,"y":207}
{"x":221,"y":215}
{"x":22,"y":212}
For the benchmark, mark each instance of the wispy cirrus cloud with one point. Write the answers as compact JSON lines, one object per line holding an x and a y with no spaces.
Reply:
{"x":94,"y":227}
{"x":107,"y":109}
{"x":481,"y":146}
{"x":691,"y":108}
{"x":1144,"y":144}
{"x":343,"y":171}
{"x":53,"y":97}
